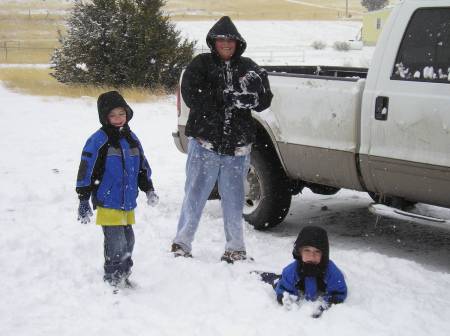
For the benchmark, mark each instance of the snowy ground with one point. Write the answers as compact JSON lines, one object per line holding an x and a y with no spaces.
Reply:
{"x":398,"y":273}
{"x":289,"y":42}
{"x":52,"y":265}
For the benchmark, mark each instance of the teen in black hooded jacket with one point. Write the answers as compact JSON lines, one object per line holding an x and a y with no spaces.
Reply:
{"x":203,"y":86}
{"x":220,"y":88}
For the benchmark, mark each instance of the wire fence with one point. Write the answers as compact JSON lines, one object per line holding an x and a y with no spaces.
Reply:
{"x":16,"y":51}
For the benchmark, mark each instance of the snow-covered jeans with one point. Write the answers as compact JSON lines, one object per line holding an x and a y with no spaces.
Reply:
{"x":118,"y":248}
{"x":203,"y":168}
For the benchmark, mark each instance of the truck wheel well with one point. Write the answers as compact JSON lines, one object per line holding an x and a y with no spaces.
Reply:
{"x":264,"y":142}
{"x":265,"y":145}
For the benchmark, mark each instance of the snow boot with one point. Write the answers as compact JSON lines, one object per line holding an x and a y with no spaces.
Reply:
{"x":232,"y":256}
{"x":178,"y":251}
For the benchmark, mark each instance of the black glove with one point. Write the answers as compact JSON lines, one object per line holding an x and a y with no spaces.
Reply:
{"x":229,"y":97}
{"x":84,"y":212}
{"x":251,"y":82}
{"x":246,"y":100}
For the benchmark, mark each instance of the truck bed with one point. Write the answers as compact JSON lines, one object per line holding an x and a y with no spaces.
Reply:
{"x":325,"y":72}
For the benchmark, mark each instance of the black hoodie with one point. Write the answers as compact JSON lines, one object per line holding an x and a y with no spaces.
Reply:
{"x":202,"y":88}
{"x":225,"y":28}
{"x":317,"y":237}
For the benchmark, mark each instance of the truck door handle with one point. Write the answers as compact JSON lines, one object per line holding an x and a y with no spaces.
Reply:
{"x":381,"y":108}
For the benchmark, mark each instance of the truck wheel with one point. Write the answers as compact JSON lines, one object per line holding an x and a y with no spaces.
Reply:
{"x":267,"y":194}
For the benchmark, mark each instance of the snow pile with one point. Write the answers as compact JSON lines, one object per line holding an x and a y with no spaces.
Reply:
{"x":52,"y":265}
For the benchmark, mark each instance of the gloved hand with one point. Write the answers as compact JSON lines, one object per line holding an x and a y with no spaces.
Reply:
{"x":246,"y":100}
{"x":240,"y":100}
{"x":84,"y":212}
{"x":152,"y":198}
{"x":288,"y":300}
{"x":251,"y":82}
{"x":229,"y":97}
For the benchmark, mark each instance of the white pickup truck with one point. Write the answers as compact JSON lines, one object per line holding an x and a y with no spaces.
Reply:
{"x":384,"y":130}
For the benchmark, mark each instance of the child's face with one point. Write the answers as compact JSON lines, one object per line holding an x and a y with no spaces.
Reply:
{"x":117,"y":117}
{"x":310,"y":254}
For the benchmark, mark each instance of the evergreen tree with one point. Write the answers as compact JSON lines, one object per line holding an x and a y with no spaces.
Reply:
{"x":372,"y":5}
{"x":121,"y":43}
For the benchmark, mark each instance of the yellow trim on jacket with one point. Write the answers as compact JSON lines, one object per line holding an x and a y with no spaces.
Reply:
{"x":114,"y":217}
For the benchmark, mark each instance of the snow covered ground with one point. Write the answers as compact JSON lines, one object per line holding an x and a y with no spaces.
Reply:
{"x":52,"y":265}
{"x":289,"y":42}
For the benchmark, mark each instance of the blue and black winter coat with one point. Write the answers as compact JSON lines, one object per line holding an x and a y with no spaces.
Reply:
{"x":311,"y":281}
{"x":113,"y":165}
{"x":331,"y":286}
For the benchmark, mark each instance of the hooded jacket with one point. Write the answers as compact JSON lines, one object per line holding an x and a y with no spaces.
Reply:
{"x":329,"y":281}
{"x":113,"y":164}
{"x":202,"y":88}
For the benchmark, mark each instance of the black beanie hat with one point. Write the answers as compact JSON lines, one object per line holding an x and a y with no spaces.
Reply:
{"x":314,"y":236}
{"x":108,"y":101}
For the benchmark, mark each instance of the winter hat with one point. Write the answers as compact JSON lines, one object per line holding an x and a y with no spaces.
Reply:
{"x":108,"y":101}
{"x":314,"y":236}
{"x":225,"y":28}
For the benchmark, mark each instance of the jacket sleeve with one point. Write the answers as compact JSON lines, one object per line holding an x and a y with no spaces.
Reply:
{"x":336,"y":288}
{"x":198,"y":92}
{"x":265,"y":94}
{"x":145,"y":182}
{"x":287,"y":282}
{"x":90,"y":164}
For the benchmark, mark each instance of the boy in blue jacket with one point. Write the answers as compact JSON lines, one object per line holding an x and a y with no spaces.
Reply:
{"x":112,"y":167}
{"x":312,"y":274}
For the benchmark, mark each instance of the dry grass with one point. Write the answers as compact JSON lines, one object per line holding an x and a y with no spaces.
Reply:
{"x":263,"y":9}
{"x":38,"y":82}
{"x":26,"y":39}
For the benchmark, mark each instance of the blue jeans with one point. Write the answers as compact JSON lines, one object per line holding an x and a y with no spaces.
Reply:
{"x":118,"y":248}
{"x":203,"y":168}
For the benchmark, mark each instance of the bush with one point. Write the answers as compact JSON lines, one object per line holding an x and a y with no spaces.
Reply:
{"x":121,"y":43}
{"x":341,"y":46}
{"x":318,"y":45}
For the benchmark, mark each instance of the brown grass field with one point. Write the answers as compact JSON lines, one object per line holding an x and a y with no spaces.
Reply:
{"x":29,"y":32}
{"x":264,"y":9}
{"x":38,"y":82}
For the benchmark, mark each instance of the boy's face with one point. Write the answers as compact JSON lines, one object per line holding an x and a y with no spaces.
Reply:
{"x":117,"y":117}
{"x":310,"y":254}
{"x":225,"y":48}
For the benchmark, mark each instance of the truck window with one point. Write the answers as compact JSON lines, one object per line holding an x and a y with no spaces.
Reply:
{"x":424,"y":53}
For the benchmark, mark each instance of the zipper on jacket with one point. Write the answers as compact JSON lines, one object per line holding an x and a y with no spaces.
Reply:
{"x":124,"y":173}
{"x":228,"y":76}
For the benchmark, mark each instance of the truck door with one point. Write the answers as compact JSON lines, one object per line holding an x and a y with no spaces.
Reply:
{"x":406,"y":114}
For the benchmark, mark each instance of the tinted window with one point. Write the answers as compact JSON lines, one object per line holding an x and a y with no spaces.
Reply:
{"x":424,"y":53}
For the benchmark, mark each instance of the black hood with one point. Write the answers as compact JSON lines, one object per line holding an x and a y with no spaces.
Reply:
{"x":225,"y":28}
{"x":314,"y":236}
{"x":108,"y":101}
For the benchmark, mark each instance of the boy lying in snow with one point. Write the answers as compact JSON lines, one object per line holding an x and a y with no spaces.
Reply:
{"x":311,"y":275}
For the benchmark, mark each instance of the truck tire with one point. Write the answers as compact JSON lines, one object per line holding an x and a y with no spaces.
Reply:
{"x":267,"y":194}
